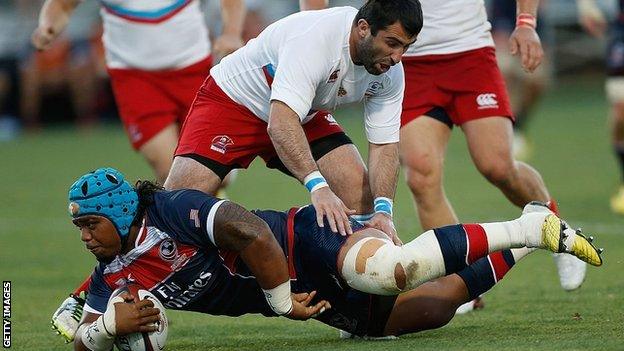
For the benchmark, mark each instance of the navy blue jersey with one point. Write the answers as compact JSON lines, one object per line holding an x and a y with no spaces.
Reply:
{"x":175,"y":257}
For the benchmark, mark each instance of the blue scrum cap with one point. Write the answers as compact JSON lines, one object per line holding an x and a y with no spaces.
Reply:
{"x":105,"y":192}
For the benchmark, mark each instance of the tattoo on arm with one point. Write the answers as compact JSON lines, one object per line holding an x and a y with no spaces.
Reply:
{"x":235,"y":227}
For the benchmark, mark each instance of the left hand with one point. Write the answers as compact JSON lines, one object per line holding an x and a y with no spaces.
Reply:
{"x":524,"y":40}
{"x":384,"y":223}
{"x":225,"y":45}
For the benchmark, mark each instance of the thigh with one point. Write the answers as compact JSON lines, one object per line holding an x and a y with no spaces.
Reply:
{"x":489,"y":141}
{"x":429,"y":306}
{"x":188,"y":173}
{"x":143,"y":107}
{"x":423,"y":143}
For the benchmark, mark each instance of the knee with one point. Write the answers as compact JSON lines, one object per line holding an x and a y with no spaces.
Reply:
{"x":423,"y":174}
{"x":499,"y":172}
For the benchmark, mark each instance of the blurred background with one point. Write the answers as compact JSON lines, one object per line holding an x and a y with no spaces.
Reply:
{"x":58,"y":120}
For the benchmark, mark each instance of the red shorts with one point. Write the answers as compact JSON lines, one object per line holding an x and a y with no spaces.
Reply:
{"x":222,"y":134}
{"x":457,"y":87}
{"x":149,"y":101}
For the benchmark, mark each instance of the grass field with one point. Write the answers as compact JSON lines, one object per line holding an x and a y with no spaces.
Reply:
{"x":42,"y":256}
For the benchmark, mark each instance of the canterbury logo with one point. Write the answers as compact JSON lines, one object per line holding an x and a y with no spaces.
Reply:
{"x":487,"y":101}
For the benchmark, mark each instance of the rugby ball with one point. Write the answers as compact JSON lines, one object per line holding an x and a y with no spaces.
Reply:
{"x":153,"y":341}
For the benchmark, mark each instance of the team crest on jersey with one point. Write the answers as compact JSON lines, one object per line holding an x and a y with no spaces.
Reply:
{"x":333,"y":77}
{"x":373,"y":88}
{"x":220,"y":143}
{"x":168,"y":250}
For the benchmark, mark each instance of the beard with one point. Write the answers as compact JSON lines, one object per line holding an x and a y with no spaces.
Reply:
{"x":367,"y":54}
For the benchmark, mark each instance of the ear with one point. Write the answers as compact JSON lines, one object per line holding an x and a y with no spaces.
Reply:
{"x":363,"y":28}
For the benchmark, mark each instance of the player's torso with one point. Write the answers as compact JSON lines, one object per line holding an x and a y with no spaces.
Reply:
{"x":154,"y":34}
{"x":452,"y":26}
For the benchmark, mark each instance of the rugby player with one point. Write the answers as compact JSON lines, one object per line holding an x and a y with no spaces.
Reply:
{"x":199,"y":253}
{"x":594,"y":22}
{"x":157,"y":55}
{"x":270,"y":98}
{"x":452,"y":78}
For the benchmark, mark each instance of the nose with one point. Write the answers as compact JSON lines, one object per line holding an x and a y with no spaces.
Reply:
{"x":396,"y":56}
{"x":85,"y":235}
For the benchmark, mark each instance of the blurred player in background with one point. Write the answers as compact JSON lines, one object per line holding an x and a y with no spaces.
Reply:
{"x":525,"y":88}
{"x":157,"y":55}
{"x":593,"y":20}
{"x":226,"y":260}
{"x":452,"y":78}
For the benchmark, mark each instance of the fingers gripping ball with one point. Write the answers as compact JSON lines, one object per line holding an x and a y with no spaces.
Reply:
{"x":105,"y":192}
{"x":152,"y":341}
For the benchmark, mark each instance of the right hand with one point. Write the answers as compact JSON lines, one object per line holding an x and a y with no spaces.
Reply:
{"x":301,"y":310}
{"x":43,"y":37}
{"x":135,"y":317}
{"x":327,"y":204}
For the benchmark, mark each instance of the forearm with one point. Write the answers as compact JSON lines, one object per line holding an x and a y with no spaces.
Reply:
{"x":290,"y":141}
{"x":233,"y":16}
{"x":313,"y":4}
{"x":527,"y":6}
{"x":383,"y":168}
{"x":55,"y":14}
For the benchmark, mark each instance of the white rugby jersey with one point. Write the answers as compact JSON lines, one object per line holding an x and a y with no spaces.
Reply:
{"x":452,"y":26}
{"x":154,"y":34}
{"x":303,"y":61}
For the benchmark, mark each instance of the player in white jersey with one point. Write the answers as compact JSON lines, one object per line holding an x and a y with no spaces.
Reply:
{"x":263,"y":100}
{"x":452,"y":78}
{"x":157,"y":53}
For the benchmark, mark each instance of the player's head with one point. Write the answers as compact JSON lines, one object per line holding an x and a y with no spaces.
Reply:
{"x":384,"y":29}
{"x":104,"y":192}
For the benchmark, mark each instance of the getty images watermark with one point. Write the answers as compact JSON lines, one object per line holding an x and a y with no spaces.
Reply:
{"x":6,"y":314}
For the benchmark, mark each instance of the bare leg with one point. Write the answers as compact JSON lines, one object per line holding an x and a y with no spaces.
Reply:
{"x":489,"y":143}
{"x":188,"y":173}
{"x":347,"y":176}
{"x":159,"y":150}
{"x":422,"y":149}
{"x":429,"y":306}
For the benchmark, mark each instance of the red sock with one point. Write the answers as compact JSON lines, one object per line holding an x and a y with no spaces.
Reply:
{"x":477,"y":242}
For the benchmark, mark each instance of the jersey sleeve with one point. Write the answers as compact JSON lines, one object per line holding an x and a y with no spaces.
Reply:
{"x":186,"y":215}
{"x":383,"y":107}
{"x":99,"y":292}
{"x":302,"y":66}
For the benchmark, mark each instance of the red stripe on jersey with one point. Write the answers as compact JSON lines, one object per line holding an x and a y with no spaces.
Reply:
{"x":150,"y":269}
{"x":83,"y":287}
{"x":148,"y":20}
{"x":290,"y":227}
{"x":229,"y":259}
{"x":476,"y":243}
{"x":267,"y":75}
{"x":499,"y":264}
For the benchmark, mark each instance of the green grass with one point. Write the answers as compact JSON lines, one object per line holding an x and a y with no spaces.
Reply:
{"x":42,"y":256}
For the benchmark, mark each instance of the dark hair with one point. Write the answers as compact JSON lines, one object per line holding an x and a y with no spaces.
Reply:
{"x":145,"y":191}
{"x":382,"y":13}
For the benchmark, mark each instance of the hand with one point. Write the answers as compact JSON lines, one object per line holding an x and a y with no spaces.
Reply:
{"x":329,"y":205}
{"x":525,"y":40}
{"x":301,"y":310}
{"x":225,"y":45}
{"x":595,"y":25}
{"x":135,"y":317}
{"x":384,"y":223}
{"x":43,"y":37}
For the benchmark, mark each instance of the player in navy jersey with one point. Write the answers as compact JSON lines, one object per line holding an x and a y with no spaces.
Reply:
{"x":199,"y":253}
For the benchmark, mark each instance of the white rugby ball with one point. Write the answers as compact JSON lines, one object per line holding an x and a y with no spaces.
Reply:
{"x":153,"y":341}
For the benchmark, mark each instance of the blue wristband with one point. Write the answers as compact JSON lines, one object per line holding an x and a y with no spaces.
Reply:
{"x":314,"y":181}
{"x":383,"y":205}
